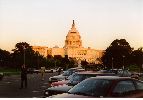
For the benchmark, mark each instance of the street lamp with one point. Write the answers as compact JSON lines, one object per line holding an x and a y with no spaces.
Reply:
{"x":46,"y":60}
{"x":38,"y":59}
{"x":55,"y":63}
{"x":123,"y":61}
{"x":142,"y":66}
{"x":24,"y":54}
{"x":112,"y":62}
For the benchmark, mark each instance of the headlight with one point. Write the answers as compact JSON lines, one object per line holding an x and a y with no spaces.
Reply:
{"x":46,"y":93}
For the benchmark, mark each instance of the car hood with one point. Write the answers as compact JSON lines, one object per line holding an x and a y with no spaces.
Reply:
{"x":66,"y":95}
{"x":64,"y":88}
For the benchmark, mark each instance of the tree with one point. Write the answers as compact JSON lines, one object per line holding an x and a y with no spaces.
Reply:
{"x":71,"y":62}
{"x":84,"y":63}
{"x":65,"y":61}
{"x":23,"y":53}
{"x":58,"y":60}
{"x":117,"y":54}
{"x":5,"y":58}
{"x":137,"y":57}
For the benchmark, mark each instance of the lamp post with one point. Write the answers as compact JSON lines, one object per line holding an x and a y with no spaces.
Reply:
{"x":38,"y":60}
{"x":37,"y":53}
{"x":112,"y":62}
{"x":123,"y":61}
{"x":24,"y":54}
{"x":142,"y":66}
{"x":46,"y":60}
{"x":55,"y":63}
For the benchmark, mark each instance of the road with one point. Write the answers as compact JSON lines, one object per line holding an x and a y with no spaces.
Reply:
{"x":9,"y":86}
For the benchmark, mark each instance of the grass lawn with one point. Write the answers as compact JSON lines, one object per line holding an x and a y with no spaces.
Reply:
{"x":9,"y":71}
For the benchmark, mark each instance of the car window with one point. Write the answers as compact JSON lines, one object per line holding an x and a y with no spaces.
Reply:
{"x":124,"y":73}
{"x":71,"y":76}
{"x":95,"y":88}
{"x":139,"y":85}
{"x":76,"y":79}
{"x":124,"y":87}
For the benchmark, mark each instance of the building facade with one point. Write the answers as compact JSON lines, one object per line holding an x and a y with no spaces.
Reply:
{"x":73,"y":48}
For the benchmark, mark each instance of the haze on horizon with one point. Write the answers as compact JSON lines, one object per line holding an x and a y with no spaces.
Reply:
{"x":47,"y":22}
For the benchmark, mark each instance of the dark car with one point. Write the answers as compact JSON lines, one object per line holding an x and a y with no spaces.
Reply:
{"x":65,"y":75}
{"x":76,"y":78}
{"x":106,"y":86}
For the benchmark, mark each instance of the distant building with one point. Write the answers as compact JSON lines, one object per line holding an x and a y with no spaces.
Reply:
{"x":73,"y":48}
{"x":41,"y":49}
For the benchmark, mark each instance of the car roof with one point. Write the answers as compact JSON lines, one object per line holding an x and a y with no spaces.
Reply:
{"x":94,"y":73}
{"x":111,"y":77}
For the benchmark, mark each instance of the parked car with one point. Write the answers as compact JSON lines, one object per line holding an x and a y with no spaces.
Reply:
{"x":30,"y":70}
{"x":59,"y":77}
{"x":107,"y":86}
{"x":135,"y":75}
{"x":125,"y":73}
{"x":1,"y":76}
{"x":118,"y":72}
{"x":37,"y":71}
{"x":77,"y":78}
{"x":59,"y":68}
{"x":62,"y":82}
{"x":49,"y":70}
{"x":76,"y":68}
{"x":65,"y":75}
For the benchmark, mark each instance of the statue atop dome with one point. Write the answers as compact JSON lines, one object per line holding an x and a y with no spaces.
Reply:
{"x":73,"y":24}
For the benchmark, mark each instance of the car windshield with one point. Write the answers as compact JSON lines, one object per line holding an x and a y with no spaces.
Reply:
{"x":91,"y":87}
{"x":67,"y":73}
{"x":71,"y":76}
{"x":76,"y":79}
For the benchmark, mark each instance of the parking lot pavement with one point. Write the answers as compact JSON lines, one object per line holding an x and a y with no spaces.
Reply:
{"x":9,"y":86}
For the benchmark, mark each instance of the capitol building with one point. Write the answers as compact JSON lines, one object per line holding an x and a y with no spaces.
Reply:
{"x":73,"y":48}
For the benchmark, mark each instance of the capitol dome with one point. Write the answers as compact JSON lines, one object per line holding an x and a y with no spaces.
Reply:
{"x":73,"y":38}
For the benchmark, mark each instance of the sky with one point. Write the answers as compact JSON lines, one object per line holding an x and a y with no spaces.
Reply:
{"x":47,"y":22}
